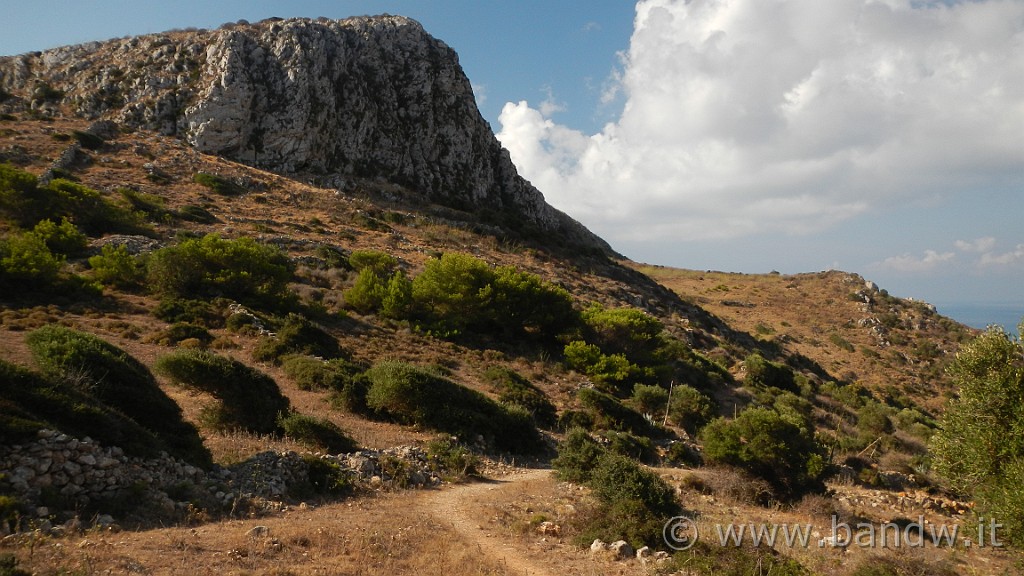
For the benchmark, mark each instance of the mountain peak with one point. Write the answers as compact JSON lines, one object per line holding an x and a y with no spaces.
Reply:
{"x":371,"y":96}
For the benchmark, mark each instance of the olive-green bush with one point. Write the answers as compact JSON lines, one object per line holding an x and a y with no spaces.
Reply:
{"x":316,"y":433}
{"x":513,"y":388}
{"x":770,"y":446}
{"x":118,"y":380}
{"x":210,"y":266}
{"x":296,"y":335}
{"x":114,"y":266}
{"x":247,"y":398}
{"x":413,"y":395}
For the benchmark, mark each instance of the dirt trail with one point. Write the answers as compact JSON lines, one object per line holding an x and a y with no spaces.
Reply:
{"x":456,"y":506}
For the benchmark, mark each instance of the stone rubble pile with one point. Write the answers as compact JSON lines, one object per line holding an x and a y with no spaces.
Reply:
{"x":79,"y":474}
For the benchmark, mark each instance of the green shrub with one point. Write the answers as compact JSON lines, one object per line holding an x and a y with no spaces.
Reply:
{"x":181,"y":331}
{"x":248,"y":399}
{"x":578,"y":455}
{"x":689,"y":409}
{"x":26,"y":262}
{"x":633,"y":503}
{"x":626,"y":444}
{"x":449,"y":458}
{"x":514,"y":389}
{"x":118,"y":380}
{"x":198,"y":214}
{"x":766,"y":444}
{"x":397,"y":301}
{"x":380,"y":263}
{"x":367,"y":294}
{"x":148,"y":204}
{"x":979,"y":446}
{"x":199,"y":312}
{"x":570,"y":419}
{"x":31,"y":401}
{"x":20,"y":199}
{"x":311,"y":373}
{"x":610,"y":414}
{"x":114,"y":266}
{"x":762,"y":373}
{"x":328,"y":478}
{"x":873,"y":420}
{"x":63,"y":238}
{"x":458,"y":293}
{"x":316,"y":433}
{"x":351,"y":397}
{"x":627,"y":331}
{"x":88,"y":209}
{"x":218,"y":184}
{"x":414,"y":395}
{"x":614,"y":374}
{"x":650,"y":399}
{"x":297,"y":335}
{"x":211,"y":266}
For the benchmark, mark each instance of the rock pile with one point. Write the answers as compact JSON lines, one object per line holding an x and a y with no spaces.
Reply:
{"x":57,"y":474}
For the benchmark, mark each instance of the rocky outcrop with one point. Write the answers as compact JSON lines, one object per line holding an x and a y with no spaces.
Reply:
{"x":362,"y":97}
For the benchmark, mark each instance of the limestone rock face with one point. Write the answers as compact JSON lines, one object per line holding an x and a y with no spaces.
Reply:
{"x":361,"y":97}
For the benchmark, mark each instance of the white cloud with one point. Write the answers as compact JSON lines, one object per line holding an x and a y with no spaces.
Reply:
{"x":908,"y":263}
{"x":1005,"y":259}
{"x":748,"y":116}
{"x":980,"y":245}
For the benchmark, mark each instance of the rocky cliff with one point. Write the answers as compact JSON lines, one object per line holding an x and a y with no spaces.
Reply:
{"x":361,"y":97}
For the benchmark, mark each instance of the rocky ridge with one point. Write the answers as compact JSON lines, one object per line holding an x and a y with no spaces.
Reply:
{"x":361,"y":97}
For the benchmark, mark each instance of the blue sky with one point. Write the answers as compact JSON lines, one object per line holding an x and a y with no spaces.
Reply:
{"x":883,"y":137}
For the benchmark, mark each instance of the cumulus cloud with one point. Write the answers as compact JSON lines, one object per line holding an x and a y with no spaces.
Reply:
{"x":742,"y":117}
{"x":1004,"y":259}
{"x":909,"y":263}
{"x":982,"y":245}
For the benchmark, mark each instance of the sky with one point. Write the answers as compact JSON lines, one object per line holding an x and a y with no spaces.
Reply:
{"x":882,"y":137}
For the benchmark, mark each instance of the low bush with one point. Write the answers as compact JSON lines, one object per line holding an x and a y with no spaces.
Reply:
{"x":114,"y":266}
{"x":200,"y":312}
{"x":118,"y":380}
{"x":311,"y":373}
{"x":296,"y":335}
{"x":512,"y":388}
{"x":327,"y":478}
{"x":578,"y":455}
{"x":449,"y":458}
{"x":30,"y":401}
{"x":316,"y":433}
{"x":179,"y":332}
{"x":210,"y":266}
{"x":248,"y":399}
{"x":64,"y":238}
{"x":381,"y":263}
{"x":708,"y":558}
{"x":198,"y":214}
{"x":636,"y":447}
{"x":650,"y":399}
{"x":610,"y":414}
{"x":762,"y":373}
{"x":613,"y":373}
{"x":689,"y":409}
{"x":218,"y":184}
{"x":772,"y":447}
{"x":26,"y":262}
{"x":149,"y":205}
{"x":414,"y":395}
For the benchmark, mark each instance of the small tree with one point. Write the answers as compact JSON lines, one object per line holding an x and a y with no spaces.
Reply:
{"x":763,"y":442}
{"x":979,"y":447}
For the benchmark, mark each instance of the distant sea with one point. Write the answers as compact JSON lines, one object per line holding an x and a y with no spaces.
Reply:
{"x":984,"y":315}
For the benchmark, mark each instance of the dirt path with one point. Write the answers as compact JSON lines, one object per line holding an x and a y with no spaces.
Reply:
{"x":458,"y":507}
